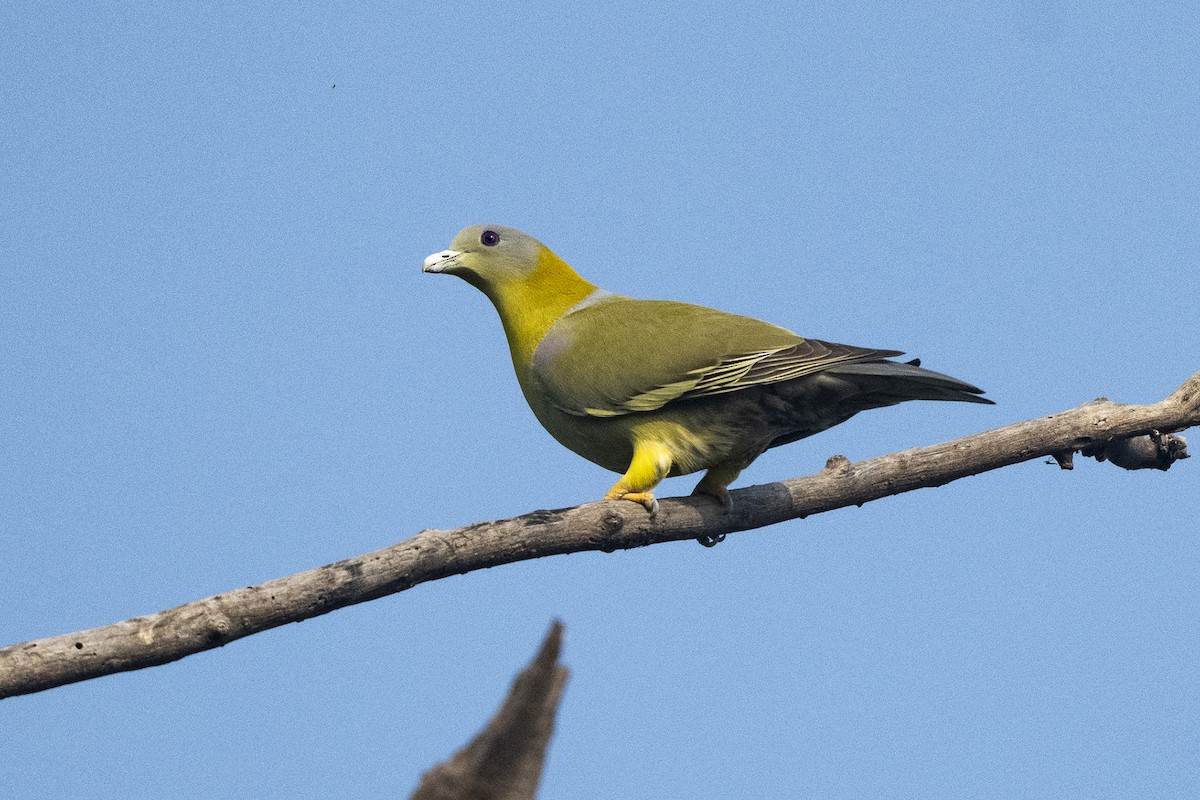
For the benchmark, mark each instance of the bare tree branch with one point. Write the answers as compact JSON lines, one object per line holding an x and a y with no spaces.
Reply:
{"x":504,"y":762}
{"x":214,"y":621}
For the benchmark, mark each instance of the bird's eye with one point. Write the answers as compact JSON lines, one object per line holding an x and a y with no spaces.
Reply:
{"x":490,"y":238}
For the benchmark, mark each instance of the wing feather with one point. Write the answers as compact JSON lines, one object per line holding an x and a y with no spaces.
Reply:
{"x":624,"y":356}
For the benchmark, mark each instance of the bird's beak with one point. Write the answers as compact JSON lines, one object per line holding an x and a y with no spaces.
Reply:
{"x":441,"y":262}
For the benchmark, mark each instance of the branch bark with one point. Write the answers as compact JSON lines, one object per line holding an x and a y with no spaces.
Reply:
{"x":504,"y":762}
{"x":607,"y":526}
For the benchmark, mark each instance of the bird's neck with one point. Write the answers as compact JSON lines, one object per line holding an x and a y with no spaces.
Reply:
{"x":528,"y":308}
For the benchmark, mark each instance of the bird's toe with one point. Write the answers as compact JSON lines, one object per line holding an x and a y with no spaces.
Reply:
{"x":644,"y":499}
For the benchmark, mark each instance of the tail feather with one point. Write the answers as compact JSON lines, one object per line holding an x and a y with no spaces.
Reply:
{"x":890,"y":382}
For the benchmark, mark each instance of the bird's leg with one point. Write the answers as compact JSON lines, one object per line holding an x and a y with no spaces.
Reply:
{"x":713,"y":484}
{"x":715,"y":480}
{"x":650,"y":464}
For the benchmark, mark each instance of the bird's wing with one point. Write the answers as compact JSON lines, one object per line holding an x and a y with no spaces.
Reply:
{"x":622,"y":356}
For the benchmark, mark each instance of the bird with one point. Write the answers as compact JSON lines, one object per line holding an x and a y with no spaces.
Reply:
{"x":656,"y":388}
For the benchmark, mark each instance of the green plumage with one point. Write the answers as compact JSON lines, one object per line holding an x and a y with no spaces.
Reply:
{"x":658,"y":351}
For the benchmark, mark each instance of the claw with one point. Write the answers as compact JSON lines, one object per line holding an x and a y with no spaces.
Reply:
{"x":644,"y":499}
{"x":712,"y":487}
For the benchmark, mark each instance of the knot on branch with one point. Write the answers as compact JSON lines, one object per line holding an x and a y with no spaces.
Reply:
{"x":837,"y":464}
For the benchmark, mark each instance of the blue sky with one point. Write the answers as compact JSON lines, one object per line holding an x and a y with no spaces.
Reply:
{"x":222,"y":364}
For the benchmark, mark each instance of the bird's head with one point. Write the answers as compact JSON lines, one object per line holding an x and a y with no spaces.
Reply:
{"x":528,"y":284}
{"x":491,"y":257}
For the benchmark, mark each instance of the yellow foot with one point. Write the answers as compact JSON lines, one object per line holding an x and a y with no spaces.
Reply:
{"x":645,"y":499}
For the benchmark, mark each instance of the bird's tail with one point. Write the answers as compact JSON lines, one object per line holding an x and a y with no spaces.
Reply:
{"x":885,"y":383}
